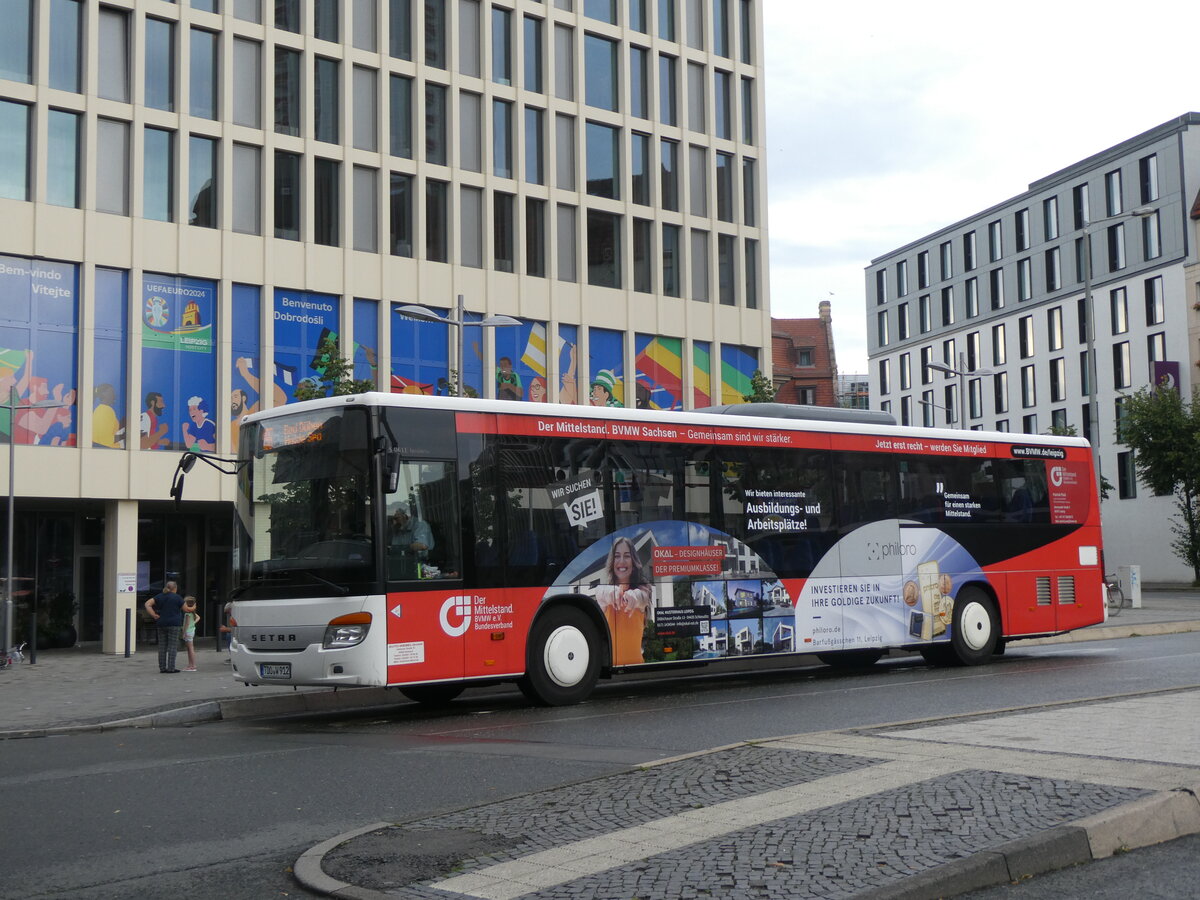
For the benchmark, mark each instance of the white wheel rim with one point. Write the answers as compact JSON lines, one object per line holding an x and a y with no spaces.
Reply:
{"x":566,"y":656}
{"x":976,"y":626}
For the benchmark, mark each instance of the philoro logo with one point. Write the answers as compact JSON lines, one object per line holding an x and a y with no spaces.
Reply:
{"x":458,"y":607}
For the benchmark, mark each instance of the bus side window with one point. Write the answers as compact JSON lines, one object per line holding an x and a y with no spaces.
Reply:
{"x":866,"y":488}
{"x":423,"y":522}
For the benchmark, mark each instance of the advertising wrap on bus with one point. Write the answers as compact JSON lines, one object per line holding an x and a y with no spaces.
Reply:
{"x":555,"y":547}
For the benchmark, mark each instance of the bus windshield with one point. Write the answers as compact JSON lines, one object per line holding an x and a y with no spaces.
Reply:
{"x":305,"y":501}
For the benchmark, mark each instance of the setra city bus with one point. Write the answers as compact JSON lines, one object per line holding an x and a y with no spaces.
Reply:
{"x":433,"y":544}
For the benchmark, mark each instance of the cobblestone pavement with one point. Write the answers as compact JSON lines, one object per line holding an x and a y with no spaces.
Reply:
{"x":837,"y":814}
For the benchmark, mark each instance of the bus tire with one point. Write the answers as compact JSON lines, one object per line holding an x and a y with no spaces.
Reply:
{"x":851,"y":659}
{"x":563,"y":659}
{"x":432,"y":694}
{"x":976,"y":628}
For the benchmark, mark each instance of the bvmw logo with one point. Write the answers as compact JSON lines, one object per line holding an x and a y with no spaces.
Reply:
{"x":458,"y":607}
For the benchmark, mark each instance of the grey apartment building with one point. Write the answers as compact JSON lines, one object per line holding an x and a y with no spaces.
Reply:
{"x":1000,"y":298}
{"x":194,"y":195}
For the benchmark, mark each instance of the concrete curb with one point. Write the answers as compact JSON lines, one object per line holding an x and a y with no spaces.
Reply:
{"x":307,"y":869}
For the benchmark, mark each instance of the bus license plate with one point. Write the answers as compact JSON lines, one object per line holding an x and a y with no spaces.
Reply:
{"x":275,"y":670}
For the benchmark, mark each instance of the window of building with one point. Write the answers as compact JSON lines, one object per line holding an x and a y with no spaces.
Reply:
{"x":720,"y":27}
{"x":999,"y":345}
{"x":902,"y":322}
{"x":695,"y":23}
{"x":469,"y":41}
{"x":946,"y":258}
{"x":969,"y":251}
{"x":1029,"y":423}
{"x":327,"y":177}
{"x":923,"y":270}
{"x":160,"y":64}
{"x":602,"y":10}
{"x":1116,"y":247}
{"x":697,"y":120}
{"x":725,"y":163}
{"x":639,"y":82}
{"x":1050,"y":217}
{"x":1058,"y":380}
{"x":1054,"y":328}
{"x":535,"y":237}
{"x":15,"y":41}
{"x":747,"y":31}
{"x":325,"y":20}
{"x":400,"y":117}
{"x":1156,"y":347}
{"x":643,"y":256}
{"x":287,"y":195}
{"x":502,"y":61}
{"x":751,"y":272}
{"x":668,"y":91}
{"x":880,"y":287}
{"x":564,"y":62}
{"x":973,"y":351}
{"x":62,"y":157}
{"x":637,"y":15}
{"x":698,"y":180}
{"x":749,"y":193}
{"x":1080,"y":205}
{"x":1148,"y":178}
{"x":971,"y":286}
{"x":995,"y":241}
{"x":996,"y":284}
{"x":366,"y":106}
{"x":287,"y":91}
{"x":1024,"y":278}
{"x":400,"y":214}
{"x":666,"y":19}
{"x":1000,"y":392}
{"x":947,"y":306}
{"x":723,"y":105}
{"x":504,"y":232}
{"x":1021,"y":224}
{"x":906,"y":410}
{"x":203,"y":74}
{"x":1119,"y":309}
{"x":437,"y":220}
{"x":1155,"y":307}
{"x":600,"y":75}
{"x":437,"y":125}
{"x":287,"y":15}
{"x":672,"y":260}
{"x":1126,"y":475}
{"x":1085,"y":380}
{"x":247,"y":189}
{"x":905,"y":372}
{"x":639,"y":165}
{"x":247,"y":83}
{"x":435,"y":36}
{"x":203,"y":190}
{"x":326,"y":91}
{"x":366,"y":209}
{"x":113,"y":54}
{"x":1122,"y":370}
{"x":1151,"y":236}
{"x":1058,"y":420}
{"x":564,"y":149}
{"x":902,"y":278}
{"x":885,"y":376}
{"x":1112,"y":193}
{"x":881,"y":328}
{"x":926,"y":359}
{"x":1053,"y":269}
{"x":502,"y":139}
{"x":158,"y":174}
{"x":534,"y":144}
{"x":470,"y":131}
{"x":603,"y":161}
{"x":975,"y":399}
{"x":699,"y":265}
{"x":726,"y":269}
{"x":364,"y":35}
{"x":604,"y":249}
{"x":1026,"y":336}
{"x":748,"y":116}
{"x":925,"y":312}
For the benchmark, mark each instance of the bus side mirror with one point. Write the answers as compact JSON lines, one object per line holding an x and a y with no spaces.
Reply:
{"x":391,"y":470}
{"x":185,"y":465}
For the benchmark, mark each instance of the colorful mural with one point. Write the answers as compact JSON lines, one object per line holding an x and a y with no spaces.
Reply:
{"x":701,"y":374}
{"x":737,"y":369}
{"x":246,"y":395}
{"x":568,"y":363}
{"x":179,"y":364}
{"x":606,"y":363}
{"x":109,"y":408}
{"x":659,"y":364}
{"x":302,"y":321}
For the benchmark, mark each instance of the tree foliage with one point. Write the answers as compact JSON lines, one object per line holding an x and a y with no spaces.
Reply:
{"x":761,"y":389}
{"x":335,"y":378}
{"x":1163,"y":430}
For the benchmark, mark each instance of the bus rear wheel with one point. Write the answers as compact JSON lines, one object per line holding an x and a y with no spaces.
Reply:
{"x":851,"y":659}
{"x":432,"y":694}
{"x":563,"y":658}
{"x":976,"y":629}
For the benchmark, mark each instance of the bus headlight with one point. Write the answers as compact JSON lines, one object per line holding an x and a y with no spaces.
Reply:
{"x":346,"y":631}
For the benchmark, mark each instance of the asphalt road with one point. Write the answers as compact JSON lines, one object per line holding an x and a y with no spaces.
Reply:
{"x":223,"y":810}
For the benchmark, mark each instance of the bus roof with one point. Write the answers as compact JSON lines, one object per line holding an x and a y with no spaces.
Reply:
{"x":772,"y":415}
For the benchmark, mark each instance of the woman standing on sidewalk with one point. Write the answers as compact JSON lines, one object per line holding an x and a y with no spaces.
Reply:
{"x":167,"y":610}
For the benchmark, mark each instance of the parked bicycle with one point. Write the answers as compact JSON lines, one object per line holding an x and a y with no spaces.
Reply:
{"x":13,"y":656}
{"x":1116,"y":596}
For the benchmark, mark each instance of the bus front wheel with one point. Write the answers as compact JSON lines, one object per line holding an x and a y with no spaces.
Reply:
{"x":563,"y":658}
{"x":976,"y":629}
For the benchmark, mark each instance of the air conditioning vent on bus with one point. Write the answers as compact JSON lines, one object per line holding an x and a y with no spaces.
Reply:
{"x":1066,"y":588}
{"x":1043,"y":591}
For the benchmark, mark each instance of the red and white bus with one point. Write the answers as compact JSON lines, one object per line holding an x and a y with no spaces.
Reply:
{"x":432,"y":544}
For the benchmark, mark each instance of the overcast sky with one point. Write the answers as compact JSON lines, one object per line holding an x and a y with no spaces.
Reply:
{"x":887,"y":121}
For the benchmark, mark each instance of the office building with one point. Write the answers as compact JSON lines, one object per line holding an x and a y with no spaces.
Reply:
{"x":999,"y":301}
{"x":196,"y":194}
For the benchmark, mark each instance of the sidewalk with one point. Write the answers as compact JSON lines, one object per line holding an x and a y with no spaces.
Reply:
{"x":70,"y":690}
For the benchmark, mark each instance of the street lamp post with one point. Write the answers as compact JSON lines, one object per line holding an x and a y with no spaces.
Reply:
{"x":962,"y":374}
{"x":1089,"y":306}
{"x":458,"y":321}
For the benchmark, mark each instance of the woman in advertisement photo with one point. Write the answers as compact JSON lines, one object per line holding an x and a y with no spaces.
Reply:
{"x":625,"y":599}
